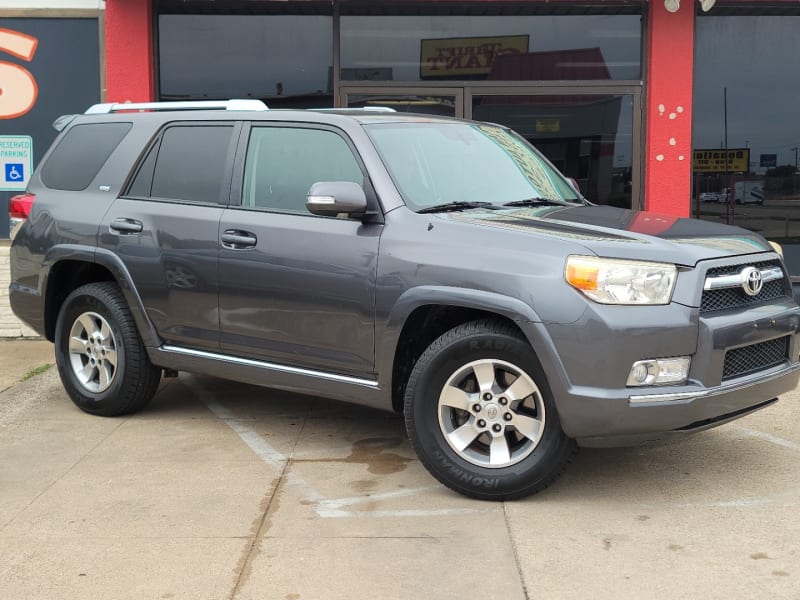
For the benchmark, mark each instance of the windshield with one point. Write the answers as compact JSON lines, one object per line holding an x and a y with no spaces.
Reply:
{"x":441,"y":163}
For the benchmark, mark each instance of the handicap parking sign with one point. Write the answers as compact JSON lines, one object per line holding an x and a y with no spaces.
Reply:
{"x":16,"y":162}
{"x":15,"y":172}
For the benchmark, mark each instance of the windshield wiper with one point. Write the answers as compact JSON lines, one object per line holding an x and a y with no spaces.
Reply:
{"x":453,"y":206}
{"x":537,"y":202}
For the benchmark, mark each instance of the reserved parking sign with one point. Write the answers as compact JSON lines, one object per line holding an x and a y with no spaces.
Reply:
{"x":16,"y":162}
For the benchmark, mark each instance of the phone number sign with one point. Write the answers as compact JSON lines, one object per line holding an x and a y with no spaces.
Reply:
{"x":16,"y":162}
{"x":734,"y":160}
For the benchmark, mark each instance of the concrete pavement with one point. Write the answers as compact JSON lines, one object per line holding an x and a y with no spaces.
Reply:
{"x":20,"y":358}
{"x":221,"y":490}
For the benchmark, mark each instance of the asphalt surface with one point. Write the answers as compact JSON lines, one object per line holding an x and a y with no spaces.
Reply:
{"x":221,"y":490}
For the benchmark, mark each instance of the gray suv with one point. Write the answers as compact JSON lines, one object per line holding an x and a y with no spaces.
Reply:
{"x":436,"y":267}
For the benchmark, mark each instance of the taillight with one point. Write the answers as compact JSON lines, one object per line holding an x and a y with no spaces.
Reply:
{"x":20,"y":206}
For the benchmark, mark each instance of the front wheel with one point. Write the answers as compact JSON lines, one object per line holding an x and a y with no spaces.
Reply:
{"x":481,"y":416}
{"x":101,"y":359}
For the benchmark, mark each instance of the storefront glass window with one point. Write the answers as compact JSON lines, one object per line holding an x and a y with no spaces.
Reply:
{"x":285,"y":60}
{"x":493,"y":48}
{"x":753,"y":61}
{"x":588,"y":138}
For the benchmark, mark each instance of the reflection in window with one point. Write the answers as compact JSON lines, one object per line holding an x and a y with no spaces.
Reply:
{"x":588,"y":138}
{"x":755,"y":59}
{"x":283,"y":163}
{"x":283,"y":59}
{"x":402,"y":48}
{"x":457,"y":162}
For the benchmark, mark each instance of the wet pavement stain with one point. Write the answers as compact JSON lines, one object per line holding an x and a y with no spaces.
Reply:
{"x":372,"y":453}
{"x":364,"y":485}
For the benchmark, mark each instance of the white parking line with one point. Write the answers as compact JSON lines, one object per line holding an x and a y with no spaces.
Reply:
{"x":769,"y":438}
{"x":324,"y":507}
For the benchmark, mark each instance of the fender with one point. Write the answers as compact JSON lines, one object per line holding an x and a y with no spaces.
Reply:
{"x":110,"y":261}
{"x":387,"y":339}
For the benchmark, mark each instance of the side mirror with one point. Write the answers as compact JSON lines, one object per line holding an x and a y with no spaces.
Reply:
{"x":332,"y":198}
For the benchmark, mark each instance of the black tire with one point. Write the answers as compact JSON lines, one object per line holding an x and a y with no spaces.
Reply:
{"x":467,"y":347}
{"x":131,"y":382}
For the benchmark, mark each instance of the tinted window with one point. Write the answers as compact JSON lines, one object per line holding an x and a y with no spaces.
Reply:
{"x":140,"y":188}
{"x":80,"y":154}
{"x":191,"y":163}
{"x":283,"y":59}
{"x":283,"y":163}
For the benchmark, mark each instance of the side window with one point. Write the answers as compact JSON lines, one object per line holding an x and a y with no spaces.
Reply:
{"x":283,"y":162}
{"x":188,"y":164}
{"x":80,"y":154}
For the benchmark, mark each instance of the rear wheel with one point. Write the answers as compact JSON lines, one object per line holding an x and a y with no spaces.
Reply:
{"x":480,"y":414}
{"x":101,"y":359}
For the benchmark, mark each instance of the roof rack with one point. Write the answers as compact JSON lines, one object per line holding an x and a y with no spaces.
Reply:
{"x":377,"y":109}
{"x":98,"y":109}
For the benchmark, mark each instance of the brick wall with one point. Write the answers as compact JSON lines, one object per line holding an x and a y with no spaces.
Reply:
{"x":10,"y":327}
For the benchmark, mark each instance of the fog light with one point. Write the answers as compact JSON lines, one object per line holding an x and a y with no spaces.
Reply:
{"x":659,"y":371}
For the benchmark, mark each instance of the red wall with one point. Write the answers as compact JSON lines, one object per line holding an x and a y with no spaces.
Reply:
{"x":668,"y":112}
{"x":129,"y":51}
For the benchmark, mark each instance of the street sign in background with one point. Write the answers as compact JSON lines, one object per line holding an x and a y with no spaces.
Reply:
{"x":714,"y":160}
{"x":16,"y":162}
{"x":769,"y":160}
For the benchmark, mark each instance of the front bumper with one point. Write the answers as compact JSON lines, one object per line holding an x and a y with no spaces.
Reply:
{"x":587,"y":363}
{"x":646,"y":417}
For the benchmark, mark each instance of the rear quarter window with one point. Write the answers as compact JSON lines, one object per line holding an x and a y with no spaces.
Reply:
{"x":77,"y":158}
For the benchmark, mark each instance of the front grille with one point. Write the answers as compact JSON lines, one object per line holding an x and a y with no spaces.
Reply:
{"x":754,"y":358}
{"x":735,"y":297}
{"x":732,"y":269}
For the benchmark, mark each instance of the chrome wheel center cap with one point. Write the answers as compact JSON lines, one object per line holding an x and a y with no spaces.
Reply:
{"x":492,"y":412}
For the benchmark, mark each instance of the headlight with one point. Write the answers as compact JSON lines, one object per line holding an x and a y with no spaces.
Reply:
{"x":613,"y":281}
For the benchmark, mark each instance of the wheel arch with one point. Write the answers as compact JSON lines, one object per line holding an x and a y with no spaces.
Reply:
{"x":422,"y":314}
{"x":66,"y":268}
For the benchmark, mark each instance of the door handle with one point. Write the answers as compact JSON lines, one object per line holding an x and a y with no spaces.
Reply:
{"x":126,"y":226}
{"x":236,"y":239}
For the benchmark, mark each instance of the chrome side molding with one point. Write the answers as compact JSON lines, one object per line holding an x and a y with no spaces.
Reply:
{"x":258,"y":364}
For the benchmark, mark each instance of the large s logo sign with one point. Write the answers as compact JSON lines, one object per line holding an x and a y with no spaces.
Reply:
{"x":18,"y":90}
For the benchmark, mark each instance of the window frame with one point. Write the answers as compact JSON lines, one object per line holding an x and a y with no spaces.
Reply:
{"x":154,"y":145}
{"x":237,"y":187}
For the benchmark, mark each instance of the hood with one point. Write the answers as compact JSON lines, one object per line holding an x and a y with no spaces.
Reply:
{"x":620,"y":233}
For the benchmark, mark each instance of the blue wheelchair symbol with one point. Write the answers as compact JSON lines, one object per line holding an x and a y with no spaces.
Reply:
{"x":15,"y":172}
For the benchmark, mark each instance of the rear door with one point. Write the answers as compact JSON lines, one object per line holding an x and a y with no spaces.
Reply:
{"x":165,"y":228}
{"x":300,"y":289}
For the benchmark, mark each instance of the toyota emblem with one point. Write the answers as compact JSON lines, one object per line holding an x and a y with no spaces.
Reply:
{"x":751,"y":281}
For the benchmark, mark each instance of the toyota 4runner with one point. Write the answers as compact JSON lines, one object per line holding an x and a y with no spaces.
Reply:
{"x":436,"y":267}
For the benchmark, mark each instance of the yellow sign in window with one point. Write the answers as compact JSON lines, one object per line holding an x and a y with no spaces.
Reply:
{"x":451,"y":57}
{"x":734,"y":160}
{"x":548,"y":125}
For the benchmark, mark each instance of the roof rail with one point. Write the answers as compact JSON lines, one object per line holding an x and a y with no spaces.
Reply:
{"x":377,"y":109}
{"x":98,"y":109}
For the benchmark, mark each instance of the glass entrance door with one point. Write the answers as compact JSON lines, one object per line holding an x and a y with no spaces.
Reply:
{"x":592,"y":134}
{"x":592,"y":138}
